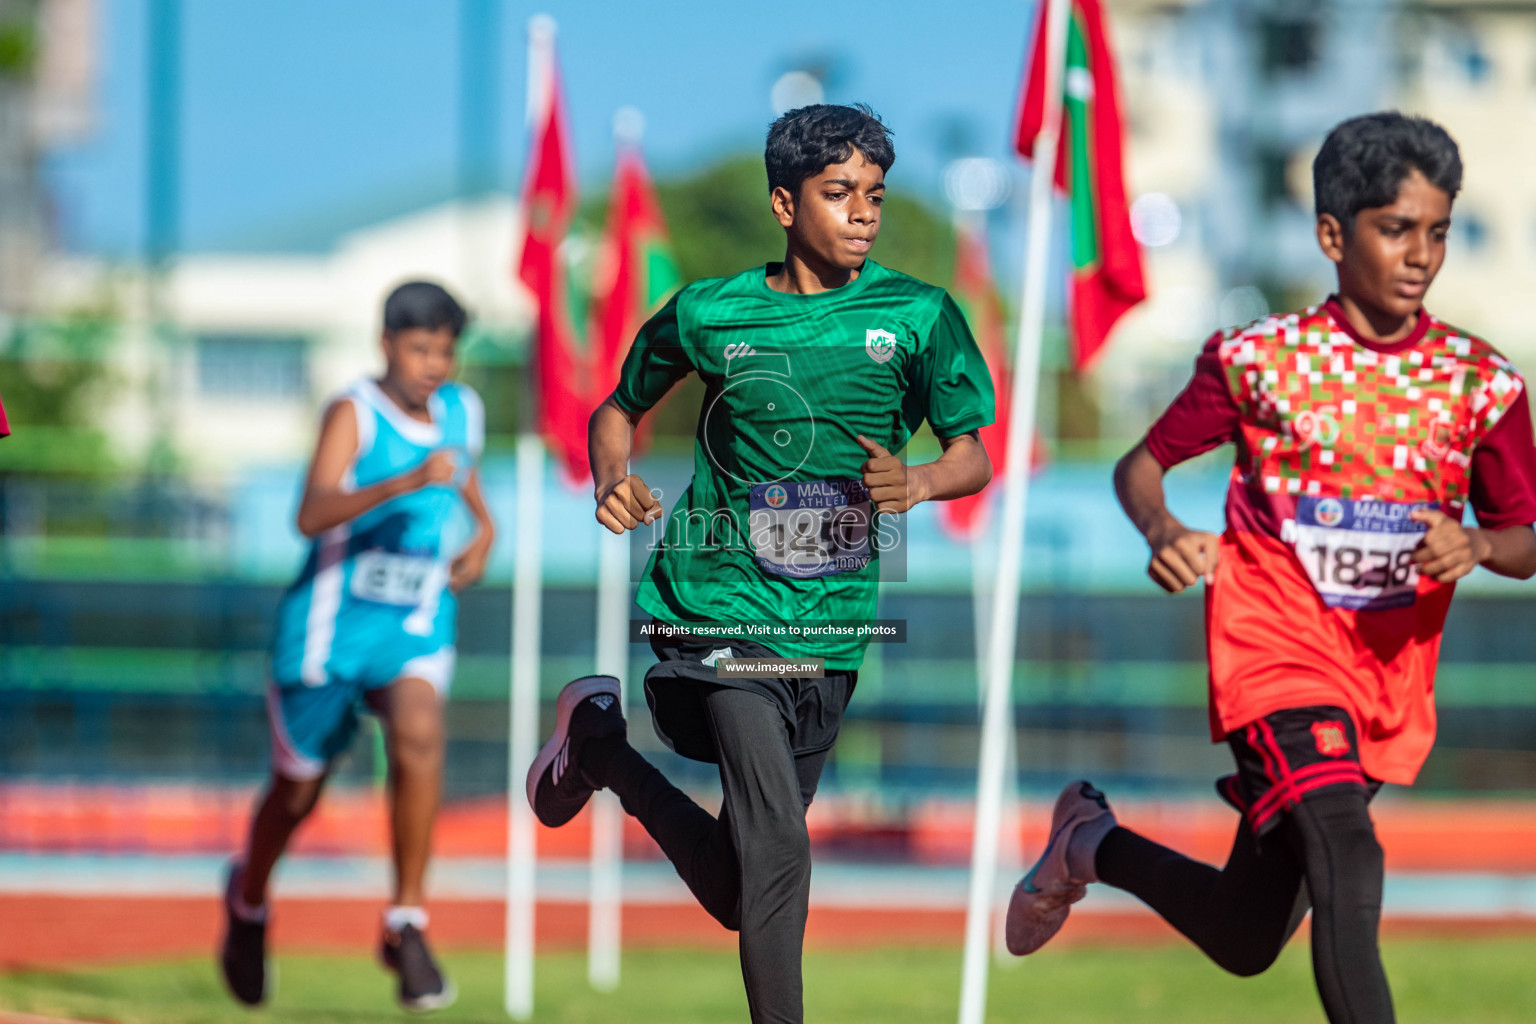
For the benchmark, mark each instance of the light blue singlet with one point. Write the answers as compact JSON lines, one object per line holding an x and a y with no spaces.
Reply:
{"x":372,"y":602}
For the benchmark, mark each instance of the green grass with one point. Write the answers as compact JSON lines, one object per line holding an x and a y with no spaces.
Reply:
{"x":1487,"y":981}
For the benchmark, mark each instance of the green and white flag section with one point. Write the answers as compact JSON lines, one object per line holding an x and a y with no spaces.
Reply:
{"x":1106,"y":260}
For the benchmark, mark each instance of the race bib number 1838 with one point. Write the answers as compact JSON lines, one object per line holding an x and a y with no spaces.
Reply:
{"x":1358,"y":553}
{"x":810,"y":527}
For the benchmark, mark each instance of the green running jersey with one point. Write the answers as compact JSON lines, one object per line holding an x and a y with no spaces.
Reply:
{"x":775,"y":526}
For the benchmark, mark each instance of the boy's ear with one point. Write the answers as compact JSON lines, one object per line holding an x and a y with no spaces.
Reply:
{"x":783,"y":206}
{"x":1330,"y":237}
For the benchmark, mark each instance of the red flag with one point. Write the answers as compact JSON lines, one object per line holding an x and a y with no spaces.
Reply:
{"x":975,"y":291}
{"x":635,"y":271}
{"x":549,"y":202}
{"x":1107,"y":278}
{"x":964,"y":518}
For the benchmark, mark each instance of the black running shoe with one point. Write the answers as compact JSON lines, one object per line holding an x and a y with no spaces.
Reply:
{"x":588,"y":708}
{"x":243,"y":959}
{"x":422,"y":984}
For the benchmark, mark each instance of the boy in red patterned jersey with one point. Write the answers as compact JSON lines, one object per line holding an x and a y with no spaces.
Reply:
{"x":1363,"y":427}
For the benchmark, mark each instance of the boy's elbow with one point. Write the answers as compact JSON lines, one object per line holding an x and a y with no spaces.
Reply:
{"x":610,"y":407}
{"x":1123,"y":466}
{"x":1524,"y":566}
{"x":1131,"y":461}
{"x":308,"y":528}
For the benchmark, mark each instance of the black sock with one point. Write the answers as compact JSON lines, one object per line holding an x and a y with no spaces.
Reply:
{"x":597,"y":756}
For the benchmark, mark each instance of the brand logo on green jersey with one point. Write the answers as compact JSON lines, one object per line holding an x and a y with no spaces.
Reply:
{"x":880,"y":345}
{"x":716,"y":654}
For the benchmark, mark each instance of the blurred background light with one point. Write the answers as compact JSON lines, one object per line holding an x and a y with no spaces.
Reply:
{"x":795,"y":89}
{"x":977,"y":183}
{"x":1242,"y":305}
{"x":1155,"y":220}
{"x":628,"y":124}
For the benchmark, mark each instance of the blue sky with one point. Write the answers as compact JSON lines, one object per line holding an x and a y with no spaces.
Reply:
{"x":302,"y":119}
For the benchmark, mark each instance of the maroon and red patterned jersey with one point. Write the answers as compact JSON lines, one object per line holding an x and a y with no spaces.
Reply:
{"x":1339,"y":439}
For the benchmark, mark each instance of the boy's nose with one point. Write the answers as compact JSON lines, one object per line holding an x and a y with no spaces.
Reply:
{"x":1418,"y":250}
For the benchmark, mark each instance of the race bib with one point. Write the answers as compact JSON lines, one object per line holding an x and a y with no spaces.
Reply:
{"x":810,"y":527}
{"x":388,"y":578}
{"x":1358,"y":554}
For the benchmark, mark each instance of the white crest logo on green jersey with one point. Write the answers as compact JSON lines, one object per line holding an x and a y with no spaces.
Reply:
{"x":880,"y":345}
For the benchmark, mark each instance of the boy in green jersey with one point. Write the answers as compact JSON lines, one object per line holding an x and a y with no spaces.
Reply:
{"x":816,"y":369}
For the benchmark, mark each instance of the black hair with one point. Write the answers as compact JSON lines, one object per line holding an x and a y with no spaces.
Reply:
{"x":422,"y":304}
{"x":806,"y":139}
{"x":1365,"y":160}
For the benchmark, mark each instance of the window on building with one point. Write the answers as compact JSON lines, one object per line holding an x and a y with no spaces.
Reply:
{"x":1475,"y":63}
{"x":252,"y":366}
{"x":1453,"y":51}
{"x":1470,"y":230}
{"x":1272,"y":165}
{"x":1288,"y":44}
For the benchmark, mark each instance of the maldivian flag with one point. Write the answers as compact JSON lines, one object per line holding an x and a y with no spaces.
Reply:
{"x":1107,"y":278}
{"x":549,"y":201}
{"x":976,"y":294}
{"x":635,"y":271}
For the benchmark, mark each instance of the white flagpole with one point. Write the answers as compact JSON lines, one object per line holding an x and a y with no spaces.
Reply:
{"x":522,"y":853}
{"x":1010,"y":856}
{"x":997,"y":714}
{"x":981,"y":612}
{"x":1010,"y":848}
{"x":527,"y":598}
{"x":605,"y":906}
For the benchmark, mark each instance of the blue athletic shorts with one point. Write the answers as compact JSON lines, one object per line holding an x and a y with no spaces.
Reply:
{"x":313,"y":724}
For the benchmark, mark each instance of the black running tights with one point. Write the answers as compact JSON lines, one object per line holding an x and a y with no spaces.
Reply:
{"x":751,"y":866}
{"x":1242,"y":915}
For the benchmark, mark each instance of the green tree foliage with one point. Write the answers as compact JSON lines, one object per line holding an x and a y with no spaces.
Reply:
{"x":18,"y":37}
{"x":51,"y":376}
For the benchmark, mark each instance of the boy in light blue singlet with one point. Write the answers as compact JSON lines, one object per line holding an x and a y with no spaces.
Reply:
{"x":397,"y":524}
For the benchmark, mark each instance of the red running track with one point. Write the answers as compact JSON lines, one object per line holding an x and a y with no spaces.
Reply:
{"x":63,"y":932}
